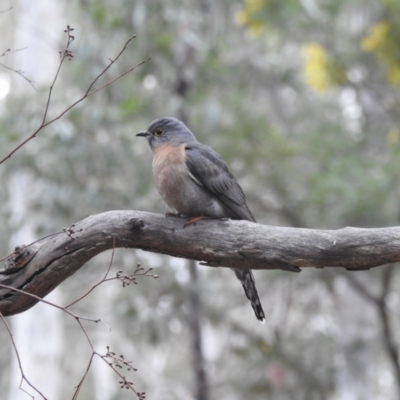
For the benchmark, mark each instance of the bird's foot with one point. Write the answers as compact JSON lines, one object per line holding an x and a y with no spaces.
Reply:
{"x":171,"y":214}
{"x":193,"y":220}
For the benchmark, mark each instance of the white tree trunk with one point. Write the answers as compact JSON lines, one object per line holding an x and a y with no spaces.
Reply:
{"x":38,"y":333}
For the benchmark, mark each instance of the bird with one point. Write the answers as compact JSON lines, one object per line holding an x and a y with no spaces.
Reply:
{"x":194,"y":180}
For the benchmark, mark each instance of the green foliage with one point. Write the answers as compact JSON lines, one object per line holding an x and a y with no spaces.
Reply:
{"x":383,"y":41}
{"x":130,"y":106}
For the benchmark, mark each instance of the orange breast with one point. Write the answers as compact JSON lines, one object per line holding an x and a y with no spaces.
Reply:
{"x":170,"y":172}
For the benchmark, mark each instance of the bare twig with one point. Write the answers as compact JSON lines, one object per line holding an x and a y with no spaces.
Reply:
{"x":118,"y":77}
{"x":74,"y":104}
{"x":77,"y":317}
{"x":110,"y":358}
{"x":65,"y":54}
{"x":23,"y":376}
{"x":80,"y":384}
{"x":119,"y":363}
{"x":17,"y":71}
{"x":114,"y":363}
{"x":109,"y":66}
{"x":125,"y":279}
{"x":68,"y":54}
{"x":20,"y":73}
{"x":68,"y":231}
{"x":98,"y":283}
{"x":19,"y":248}
{"x":9,"y":51}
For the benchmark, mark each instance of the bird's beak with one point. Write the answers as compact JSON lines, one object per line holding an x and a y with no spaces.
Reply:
{"x":144,"y":134}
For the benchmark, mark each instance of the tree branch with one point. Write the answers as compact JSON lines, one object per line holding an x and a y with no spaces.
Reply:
{"x":67,"y":54}
{"x":40,"y":267}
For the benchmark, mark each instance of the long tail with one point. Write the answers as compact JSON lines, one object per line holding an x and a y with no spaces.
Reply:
{"x":249,"y":285}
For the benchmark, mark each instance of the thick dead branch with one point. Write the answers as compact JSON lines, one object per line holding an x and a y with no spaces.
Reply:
{"x":39,"y":268}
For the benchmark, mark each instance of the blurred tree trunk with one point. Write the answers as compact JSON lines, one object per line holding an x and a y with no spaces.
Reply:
{"x":380,"y":301}
{"x":38,"y":334}
{"x":197,"y":340}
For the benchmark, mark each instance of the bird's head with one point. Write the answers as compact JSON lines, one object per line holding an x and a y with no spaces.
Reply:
{"x":167,"y":130}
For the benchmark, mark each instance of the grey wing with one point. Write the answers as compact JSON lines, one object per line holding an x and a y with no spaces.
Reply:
{"x":210,"y":171}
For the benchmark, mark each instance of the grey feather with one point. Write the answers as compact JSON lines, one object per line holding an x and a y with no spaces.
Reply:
{"x":211,"y":171}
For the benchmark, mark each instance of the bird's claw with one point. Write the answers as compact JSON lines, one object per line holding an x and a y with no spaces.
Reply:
{"x":171,"y":214}
{"x":193,"y":220}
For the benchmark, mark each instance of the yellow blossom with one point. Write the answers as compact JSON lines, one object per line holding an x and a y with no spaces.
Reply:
{"x":250,"y":16}
{"x":393,"y":137}
{"x":265,"y":347}
{"x":382,"y":41}
{"x":316,"y":67}
{"x":253,"y":5}
{"x":377,"y":36}
{"x":242,"y":18}
{"x":255,"y":28}
{"x":393,"y":74}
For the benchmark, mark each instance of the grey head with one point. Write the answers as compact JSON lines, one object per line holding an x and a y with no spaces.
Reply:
{"x":167,"y":130}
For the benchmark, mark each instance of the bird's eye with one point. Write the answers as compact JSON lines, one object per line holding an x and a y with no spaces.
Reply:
{"x":158,"y":132}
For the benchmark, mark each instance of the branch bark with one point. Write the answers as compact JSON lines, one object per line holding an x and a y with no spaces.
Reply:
{"x":39,"y":268}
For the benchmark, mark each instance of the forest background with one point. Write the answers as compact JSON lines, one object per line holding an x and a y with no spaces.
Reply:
{"x":301,"y":98}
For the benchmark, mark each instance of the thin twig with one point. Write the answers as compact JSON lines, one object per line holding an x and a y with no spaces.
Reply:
{"x":30,"y":244}
{"x":68,"y":54}
{"x":125,"y":279}
{"x":116,"y":361}
{"x":98,"y":283}
{"x":79,"y":386}
{"x":120,"y":362}
{"x":78,"y":320}
{"x":20,"y":73}
{"x":74,"y":104}
{"x":118,"y":77}
{"x":111,"y":63}
{"x":64,"y":55}
{"x":17,"y":71}
{"x":9,"y":51}
{"x":23,"y":376}
{"x":77,"y":317}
